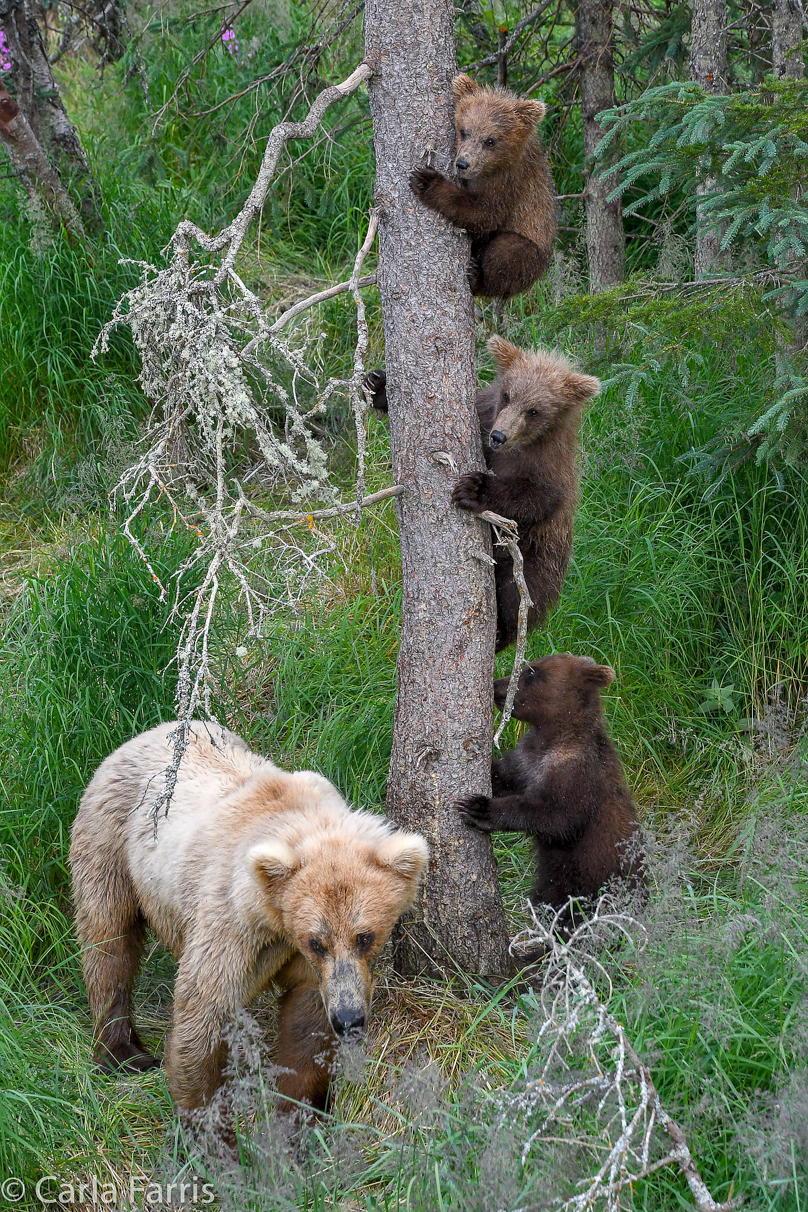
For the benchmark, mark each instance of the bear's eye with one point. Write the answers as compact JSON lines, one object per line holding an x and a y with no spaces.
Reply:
{"x":365,"y":941}
{"x":506,"y":397}
{"x":464,"y":134}
{"x":490,"y":141}
{"x":533,"y":412}
{"x":317,"y":947}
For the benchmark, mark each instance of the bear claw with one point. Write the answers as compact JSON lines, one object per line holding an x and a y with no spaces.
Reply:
{"x":375,"y":382}
{"x":422,"y":178}
{"x":475,"y":810}
{"x":470,"y":492}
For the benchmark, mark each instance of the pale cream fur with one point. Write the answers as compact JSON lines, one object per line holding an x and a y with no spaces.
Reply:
{"x":248,"y":865}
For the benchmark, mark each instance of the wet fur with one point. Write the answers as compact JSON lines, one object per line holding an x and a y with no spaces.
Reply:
{"x":250,"y":865}
{"x":563,"y":784}
{"x":505,"y":197}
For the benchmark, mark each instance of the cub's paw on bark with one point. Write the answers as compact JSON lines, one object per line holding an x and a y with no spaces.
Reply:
{"x":422,"y":179}
{"x":475,"y":811}
{"x":471,"y":492}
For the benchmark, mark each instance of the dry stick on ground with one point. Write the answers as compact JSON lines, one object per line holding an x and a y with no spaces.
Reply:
{"x":576,"y":1023}
{"x":207,"y":351}
{"x":507,"y":535}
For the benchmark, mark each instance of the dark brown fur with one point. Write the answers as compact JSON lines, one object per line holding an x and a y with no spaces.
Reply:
{"x":503,"y":195}
{"x":563,"y":784}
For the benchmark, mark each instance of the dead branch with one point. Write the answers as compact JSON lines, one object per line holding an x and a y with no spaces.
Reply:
{"x":505,"y":50}
{"x":507,"y":535}
{"x":291,"y":515}
{"x":292,"y":312}
{"x":616,"y":1090}
{"x":219,"y":370}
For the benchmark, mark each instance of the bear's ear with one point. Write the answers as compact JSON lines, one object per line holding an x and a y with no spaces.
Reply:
{"x":581,"y":387}
{"x":405,"y":853}
{"x":273,"y":861}
{"x":598,"y":675}
{"x":504,"y":353}
{"x":530,"y":112}
{"x":464,"y":86}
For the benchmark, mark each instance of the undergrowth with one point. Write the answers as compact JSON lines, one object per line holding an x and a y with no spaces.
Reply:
{"x":689,"y":578}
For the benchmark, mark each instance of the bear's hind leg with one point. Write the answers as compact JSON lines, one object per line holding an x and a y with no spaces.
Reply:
{"x":507,"y":265}
{"x":110,"y":967}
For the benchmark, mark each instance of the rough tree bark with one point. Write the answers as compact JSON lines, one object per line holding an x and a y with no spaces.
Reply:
{"x":708,"y":68}
{"x":443,"y":717}
{"x":36,"y":93}
{"x":32,"y":166}
{"x":786,"y":19}
{"x":605,"y":237}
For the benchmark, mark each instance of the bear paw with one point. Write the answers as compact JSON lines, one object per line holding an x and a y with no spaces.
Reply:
{"x":421,"y":179}
{"x":474,"y":274}
{"x":375,"y":382}
{"x":471,"y":492}
{"x":475,"y":811}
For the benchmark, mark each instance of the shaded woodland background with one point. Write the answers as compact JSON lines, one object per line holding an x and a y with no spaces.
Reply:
{"x":689,"y":573}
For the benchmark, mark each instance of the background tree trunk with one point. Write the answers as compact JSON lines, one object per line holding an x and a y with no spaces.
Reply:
{"x":37,"y":94}
{"x":605,"y":237}
{"x":443,"y":719}
{"x":708,"y":68}
{"x":786,"y":33}
{"x":37,"y":175}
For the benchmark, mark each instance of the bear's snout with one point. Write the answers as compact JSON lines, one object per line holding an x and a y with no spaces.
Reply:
{"x":348,"y":1020}
{"x":497,"y":438}
{"x":462,"y":165}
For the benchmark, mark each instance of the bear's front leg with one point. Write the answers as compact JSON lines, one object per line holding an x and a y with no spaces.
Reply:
{"x":473,"y":492}
{"x":306,"y":1045}
{"x":504,"y":813}
{"x":442,"y":195}
{"x":206,"y":996}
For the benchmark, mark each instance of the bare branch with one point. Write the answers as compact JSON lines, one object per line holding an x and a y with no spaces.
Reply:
{"x":612,"y":1101}
{"x":507,"y":535}
{"x":504,"y":51}
{"x":292,"y":312}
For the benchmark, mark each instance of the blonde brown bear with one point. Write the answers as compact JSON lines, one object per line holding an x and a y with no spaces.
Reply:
{"x":254,"y":876}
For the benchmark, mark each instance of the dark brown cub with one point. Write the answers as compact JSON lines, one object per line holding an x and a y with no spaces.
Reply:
{"x":563,"y":784}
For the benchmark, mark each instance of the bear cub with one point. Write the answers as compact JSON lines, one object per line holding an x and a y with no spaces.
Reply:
{"x":529,"y":420}
{"x":503,"y":196}
{"x":563,"y":784}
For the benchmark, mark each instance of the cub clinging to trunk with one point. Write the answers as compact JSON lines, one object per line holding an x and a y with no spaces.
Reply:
{"x":503,"y":194}
{"x":563,"y":784}
{"x":529,"y":420}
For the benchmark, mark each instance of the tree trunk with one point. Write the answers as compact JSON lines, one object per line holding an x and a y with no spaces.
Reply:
{"x":786,"y":33}
{"x":605,"y":238}
{"x":32,"y":166}
{"x":37,"y":94}
{"x":708,"y":68}
{"x":443,"y":719}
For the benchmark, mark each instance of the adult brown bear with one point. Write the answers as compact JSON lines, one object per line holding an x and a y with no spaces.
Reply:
{"x":254,"y":876}
{"x":503,"y":194}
